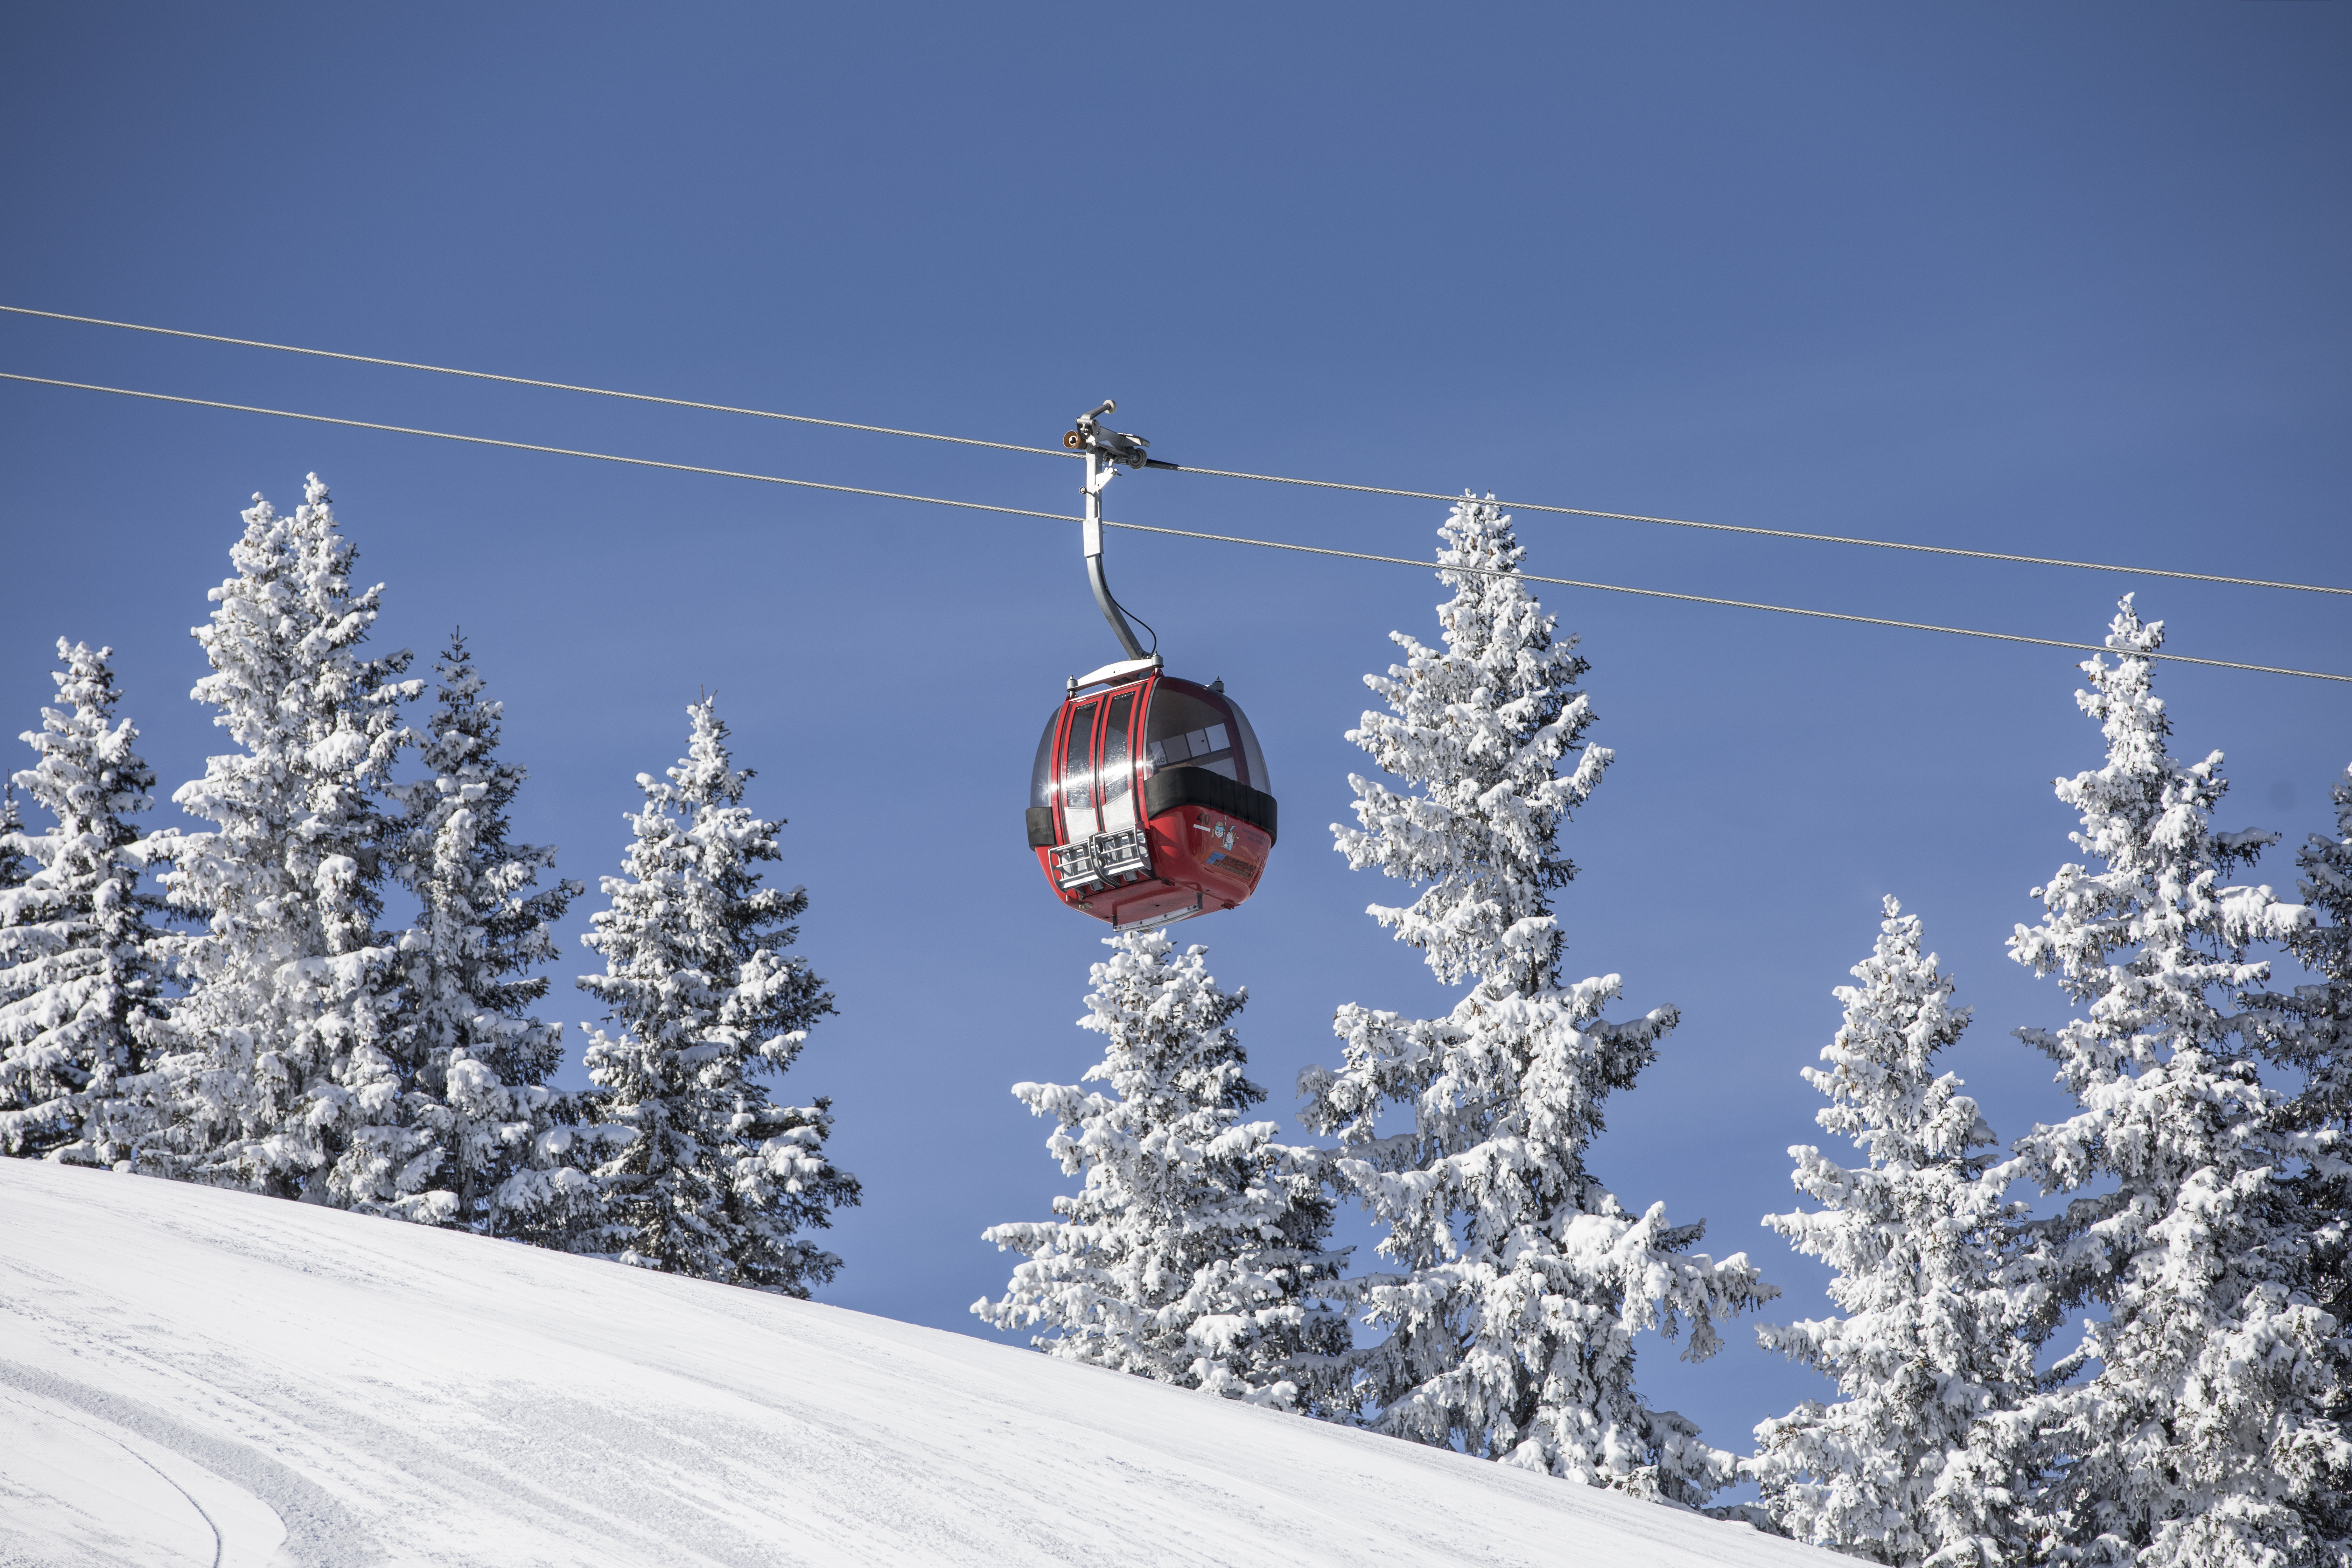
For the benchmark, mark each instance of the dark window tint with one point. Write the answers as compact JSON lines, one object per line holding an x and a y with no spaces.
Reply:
{"x":1252,"y":759}
{"x":1041,"y":772}
{"x":1078,"y":762}
{"x":1115,"y":771}
{"x":1189,"y":728}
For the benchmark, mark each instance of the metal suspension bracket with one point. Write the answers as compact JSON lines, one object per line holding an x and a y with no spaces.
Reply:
{"x":1100,"y":440}
{"x":1106,"y":451}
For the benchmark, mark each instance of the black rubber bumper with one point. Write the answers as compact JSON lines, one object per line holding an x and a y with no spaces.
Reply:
{"x":1198,"y":786}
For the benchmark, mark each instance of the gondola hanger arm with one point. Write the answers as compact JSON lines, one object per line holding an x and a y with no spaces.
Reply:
{"x":1106,"y":452}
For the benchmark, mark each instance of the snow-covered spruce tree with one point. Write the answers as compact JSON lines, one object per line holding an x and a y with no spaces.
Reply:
{"x":477,"y":1063}
{"x":285,"y":1084}
{"x":83,"y":1015}
{"x":1923,"y":1347}
{"x":1521,"y":1281}
{"x":14,"y":864}
{"x":1194,"y":1252}
{"x":714,"y":1181}
{"x":2201,"y":1437}
{"x":2309,"y":1033}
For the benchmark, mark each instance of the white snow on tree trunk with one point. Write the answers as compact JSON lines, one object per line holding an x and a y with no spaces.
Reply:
{"x":713,"y":1181}
{"x":1194,"y":1251}
{"x":2200,"y":1438}
{"x":286,"y":1085}
{"x":1520,"y":1281}
{"x":1923,"y":1346}
{"x":81,"y":1008}
{"x":476,"y":1061}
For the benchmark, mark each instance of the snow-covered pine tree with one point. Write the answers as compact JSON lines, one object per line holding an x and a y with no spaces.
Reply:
{"x":2309,"y":1034}
{"x":14,"y":864}
{"x":477,"y":1063}
{"x":1923,"y":1346}
{"x":1522,"y":1280}
{"x":1194,"y":1251}
{"x":286,"y":1085}
{"x":83,"y":1014}
{"x":715,"y":1182}
{"x":17,"y":1091}
{"x":2201,"y":1438}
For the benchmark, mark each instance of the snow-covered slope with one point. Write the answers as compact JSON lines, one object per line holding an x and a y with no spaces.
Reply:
{"x":194,"y":1376}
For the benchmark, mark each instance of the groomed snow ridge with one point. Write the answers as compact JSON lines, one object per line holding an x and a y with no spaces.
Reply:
{"x":194,"y":1376}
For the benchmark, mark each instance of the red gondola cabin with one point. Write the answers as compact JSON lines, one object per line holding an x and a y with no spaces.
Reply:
{"x":1149,"y":801}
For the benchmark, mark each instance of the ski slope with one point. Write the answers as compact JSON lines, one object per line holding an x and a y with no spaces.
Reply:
{"x":190,"y":1376}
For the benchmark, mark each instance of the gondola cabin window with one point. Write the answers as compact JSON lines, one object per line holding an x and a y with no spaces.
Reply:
{"x":1078,"y":768}
{"x":1199,"y":731}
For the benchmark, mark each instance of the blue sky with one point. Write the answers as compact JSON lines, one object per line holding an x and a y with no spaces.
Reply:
{"x":2060,"y":281}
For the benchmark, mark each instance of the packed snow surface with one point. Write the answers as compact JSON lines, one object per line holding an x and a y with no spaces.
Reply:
{"x":195,"y":1376}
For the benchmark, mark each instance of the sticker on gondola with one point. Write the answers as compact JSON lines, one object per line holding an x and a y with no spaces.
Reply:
{"x":1234,"y":865}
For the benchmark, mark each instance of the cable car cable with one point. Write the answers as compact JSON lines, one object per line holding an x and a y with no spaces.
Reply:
{"x":1186,"y":468}
{"x":1704,"y":599}
{"x":1775,"y":532}
{"x":535,"y":446}
{"x":1138,"y":527}
{"x":533,"y":381}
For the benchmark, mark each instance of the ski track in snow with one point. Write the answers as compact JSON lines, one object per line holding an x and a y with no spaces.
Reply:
{"x":203,"y":1378}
